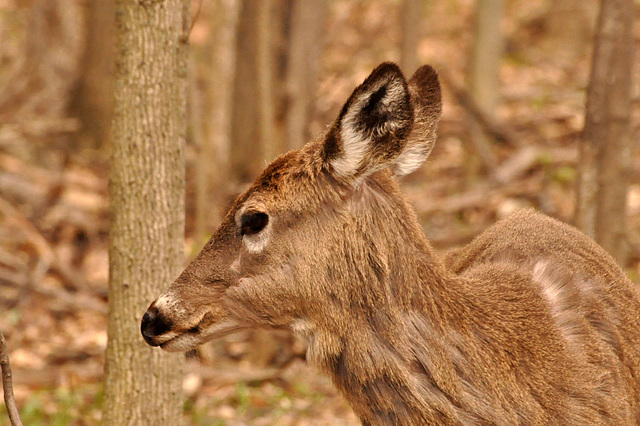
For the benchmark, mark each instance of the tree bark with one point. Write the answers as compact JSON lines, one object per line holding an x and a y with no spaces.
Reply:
{"x":147,"y":188}
{"x":605,"y":152}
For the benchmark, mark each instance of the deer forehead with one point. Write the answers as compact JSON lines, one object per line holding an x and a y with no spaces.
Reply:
{"x":293,"y":183}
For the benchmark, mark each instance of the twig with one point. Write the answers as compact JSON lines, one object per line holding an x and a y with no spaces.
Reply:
{"x":7,"y":385}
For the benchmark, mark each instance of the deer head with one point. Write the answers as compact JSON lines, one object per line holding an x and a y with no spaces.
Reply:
{"x":317,"y":233}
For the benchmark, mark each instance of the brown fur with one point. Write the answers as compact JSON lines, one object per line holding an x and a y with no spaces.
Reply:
{"x":531,"y":323}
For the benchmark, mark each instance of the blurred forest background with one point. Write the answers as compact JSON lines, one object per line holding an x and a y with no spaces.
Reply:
{"x":264,"y":77}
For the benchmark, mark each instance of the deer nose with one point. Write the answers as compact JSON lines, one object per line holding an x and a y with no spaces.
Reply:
{"x":154,"y":324}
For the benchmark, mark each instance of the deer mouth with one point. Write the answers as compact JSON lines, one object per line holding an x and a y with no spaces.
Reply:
{"x":197,"y":335}
{"x":158,"y":330}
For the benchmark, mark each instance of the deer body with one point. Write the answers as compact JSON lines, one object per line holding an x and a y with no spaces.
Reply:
{"x":531,"y":323}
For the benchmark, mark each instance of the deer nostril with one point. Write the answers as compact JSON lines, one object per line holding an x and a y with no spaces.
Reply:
{"x":154,"y":324}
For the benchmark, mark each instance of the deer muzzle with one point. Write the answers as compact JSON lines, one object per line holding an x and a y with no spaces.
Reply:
{"x":154,"y":325}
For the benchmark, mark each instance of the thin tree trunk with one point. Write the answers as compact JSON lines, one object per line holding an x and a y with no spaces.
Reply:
{"x":92,"y":101}
{"x":305,"y":47}
{"x":484,"y":74}
{"x":7,"y":384}
{"x":254,"y":138}
{"x":411,"y":15}
{"x":251,"y":130}
{"x":569,"y":28}
{"x":605,"y":152}
{"x":147,"y":188}
{"x":265,"y":71}
{"x":213,"y":161}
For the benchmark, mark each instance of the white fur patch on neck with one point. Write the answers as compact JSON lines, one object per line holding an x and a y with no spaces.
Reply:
{"x":302,"y":328}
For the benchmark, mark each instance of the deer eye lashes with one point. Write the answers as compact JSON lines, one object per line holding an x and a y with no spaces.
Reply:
{"x":253,"y":223}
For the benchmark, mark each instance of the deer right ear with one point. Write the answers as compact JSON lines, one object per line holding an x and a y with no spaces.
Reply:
{"x":372,"y":127}
{"x":426,"y":100}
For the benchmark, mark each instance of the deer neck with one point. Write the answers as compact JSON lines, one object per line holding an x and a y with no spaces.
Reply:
{"x":386,"y":367}
{"x":370,"y":350}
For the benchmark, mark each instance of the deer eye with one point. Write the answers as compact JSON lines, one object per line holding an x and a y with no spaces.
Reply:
{"x":252,"y":223}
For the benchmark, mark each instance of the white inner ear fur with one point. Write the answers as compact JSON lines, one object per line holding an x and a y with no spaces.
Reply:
{"x":355,"y":144}
{"x":410,"y":159}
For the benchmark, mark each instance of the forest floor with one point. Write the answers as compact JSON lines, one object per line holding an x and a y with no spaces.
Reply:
{"x":54,"y":225}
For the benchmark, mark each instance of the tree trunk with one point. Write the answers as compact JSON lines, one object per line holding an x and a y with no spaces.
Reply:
{"x":41,"y":82}
{"x":264,"y":74}
{"x":305,"y":47}
{"x":484,"y":74}
{"x":252,"y":129}
{"x":147,"y":189}
{"x":569,"y":26}
{"x":605,"y":152}
{"x":214,"y":145}
{"x":411,"y":16}
{"x":92,"y":101}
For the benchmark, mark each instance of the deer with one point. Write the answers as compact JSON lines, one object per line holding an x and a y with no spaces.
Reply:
{"x":530,"y":323}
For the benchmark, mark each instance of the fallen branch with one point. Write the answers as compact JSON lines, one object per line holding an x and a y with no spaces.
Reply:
{"x":67,"y":301}
{"x":45,"y":253}
{"x":7,"y":385}
{"x":46,"y":256}
{"x":516,"y":165}
{"x":485,"y":194}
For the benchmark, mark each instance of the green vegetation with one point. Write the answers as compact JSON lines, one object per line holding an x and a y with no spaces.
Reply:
{"x":63,"y":406}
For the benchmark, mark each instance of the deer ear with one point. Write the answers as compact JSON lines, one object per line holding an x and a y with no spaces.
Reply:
{"x":372,"y":127}
{"x":426,"y":101}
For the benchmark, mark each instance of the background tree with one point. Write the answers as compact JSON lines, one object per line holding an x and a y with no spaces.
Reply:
{"x":484,"y":78}
{"x":569,"y":26}
{"x":212,"y":119}
{"x":410,"y":24}
{"x":147,"y":189}
{"x":252,"y":130}
{"x":92,"y":101}
{"x":41,"y":80}
{"x":305,"y":42}
{"x":605,"y":152}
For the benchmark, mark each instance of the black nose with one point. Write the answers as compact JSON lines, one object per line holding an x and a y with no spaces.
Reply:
{"x":154,"y":324}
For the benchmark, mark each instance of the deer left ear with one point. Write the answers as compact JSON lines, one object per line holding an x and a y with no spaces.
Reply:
{"x":373,"y":126}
